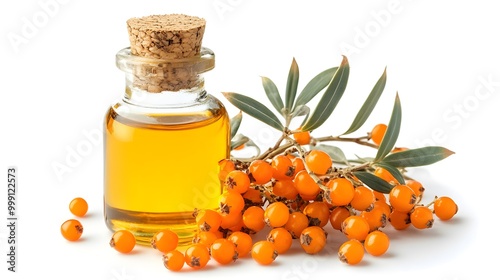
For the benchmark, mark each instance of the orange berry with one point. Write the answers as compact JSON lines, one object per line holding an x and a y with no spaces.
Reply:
{"x":421,"y":217}
{"x":261,"y":171}
{"x":376,"y":218}
{"x":318,"y":162}
{"x":253,"y":197}
{"x":122,"y":241}
{"x":313,"y":239}
{"x":298,"y":165}
{"x":78,"y":207}
{"x":399,"y":220}
{"x":253,"y":218}
{"x":285,"y":189}
{"x":281,"y":238}
{"x":242,"y":241}
{"x":417,"y":187}
{"x":363,"y":199}
{"x":377,"y":243}
{"x":282,"y":167}
{"x":377,"y":133}
{"x":206,"y":238}
{"x":384,"y":207}
{"x":165,"y":241}
{"x":318,"y":213}
{"x":208,"y":220}
{"x":306,"y":185}
{"x":173,"y":260}
{"x":351,"y":252}
{"x":385,"y":175}
{"x":402,"y":198}
{"x":276,"y":214}
{"x":264,"y":252}
{"x":445,"y":208}
{"x":379,"y":196}
{"x":296,"y":223}
{"x":231,"y":202}
{"x":355,"y":227}
{"x":72,"y":230}
{"x":225,"y":166}
{"x":233,"y":219}
{"x":340,"y":191}
{"x":302,"y":137}
{"x":238,"y":181}
{"x":223,"y":251}
{"x":197,"y":256}
{"x":337,"y":216}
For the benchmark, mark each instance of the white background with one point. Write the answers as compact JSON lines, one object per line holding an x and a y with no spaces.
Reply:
{"x":58,"y":78}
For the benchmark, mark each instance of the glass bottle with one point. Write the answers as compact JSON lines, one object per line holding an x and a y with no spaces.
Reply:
{"x":162,"y":144}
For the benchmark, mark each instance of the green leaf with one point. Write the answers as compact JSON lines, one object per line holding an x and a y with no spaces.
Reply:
{"x":317,"y":84}
{"x":335,"y":153}
{"x":238,"y":141}
{"x":273,"y":94}
{"x":393,"y":170}
{"x":291,"y":86}
{"x":369,"y":104}
{"x":417,"y":157}
{"x":254,"y":108}
{"x":374,"y":182}
{"x":301,"y":110}
{"x":392,"y":132}
{"x":330,"y":97}
{"x":235,"y":124}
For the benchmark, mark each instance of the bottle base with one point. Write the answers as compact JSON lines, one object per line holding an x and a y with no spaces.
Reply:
{"x":145,"y":225}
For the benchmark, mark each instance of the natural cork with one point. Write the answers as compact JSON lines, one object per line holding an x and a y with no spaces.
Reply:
{"x":167,"y":40}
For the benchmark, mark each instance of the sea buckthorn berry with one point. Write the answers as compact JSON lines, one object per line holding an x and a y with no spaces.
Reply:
{"x":173,"y":260}
{"x":238,"y":181}
{"x":71,"y":230}
{"x":399,"y":220}
{"x":231,"y":202}
{"x":242,"y":241}
{"x":78,"y":207}
{"x":302,"y":137}
{"x":296,"y":223}
{"x":264,"y":252}
{"x":298,"y":165}
{"x":376,"y":218}
{"x":123,"y":241}
{"x":282,"y":167}
{"x":445,"y":208}
{"x":165,"y":241}
{"x":417,"y":188}
{"x":337,"y":216}
{"x":223,"y":251}
{"x":281,"y":238}
{"x":355,"y":227}
{"x":197,"y":256}
{"x":253,"y":218}
{"x":318,"y":162}
{"x":261,"y":171}
{"x":318,"y":213}
{"x":285,"y":189}
{"x":208,"y":220}
{"x":206,"y":238}
{"x":225,"y":166}
{"x":376,"y":243}
{"x":231,"y":220}
{"x":306,"y":185}
{"x":276,"y":214}
{"x":385,"y":175}
{"x":313,"y":239}
{"x":421,"y":217}
{"x":341,"y":191}
{"x":377,"y":133}
{"x":383,"y":206}
{"x":351,"y":252}
{"x":363,"y":199}
{"x":379,"y":196}
{"x":252,"y":197}
{"x":402,"y":198}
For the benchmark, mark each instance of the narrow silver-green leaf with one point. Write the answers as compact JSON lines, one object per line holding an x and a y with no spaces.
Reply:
{"x":254,"y":108}
{"x":235,"y":124}
{"x":334,"y":152}
{"x":272,"y":94}
{"x":330,"y":97}
{"x":300,"y":111}
{"x":393,"y":170}
{"x":238,"y":141}
{"x":373,"y":182}
{"x":317,"y":84}
{"x":369,"y":104}
{"x":291,"y":85}
{"x":418,"y":157}
{"x":392,"y":132}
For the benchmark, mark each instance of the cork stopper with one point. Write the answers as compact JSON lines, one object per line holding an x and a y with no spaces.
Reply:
{"x":172,"y":42}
